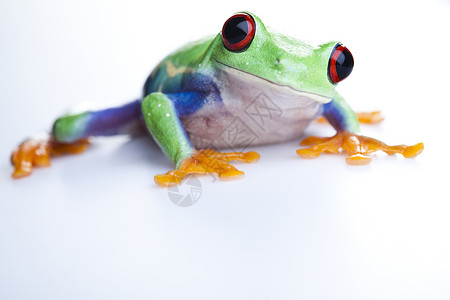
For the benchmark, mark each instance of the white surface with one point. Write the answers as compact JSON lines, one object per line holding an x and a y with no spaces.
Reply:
{"x":95,"y":226}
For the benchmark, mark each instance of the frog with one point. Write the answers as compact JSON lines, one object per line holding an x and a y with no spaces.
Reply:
{"x":248,"y":85}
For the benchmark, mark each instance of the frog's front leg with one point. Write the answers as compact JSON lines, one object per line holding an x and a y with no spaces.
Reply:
{"x":339,"y":114}
{"x":161,"y":113}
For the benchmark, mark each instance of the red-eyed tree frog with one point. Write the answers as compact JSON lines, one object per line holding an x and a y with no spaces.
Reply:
{"x":246,"y":86}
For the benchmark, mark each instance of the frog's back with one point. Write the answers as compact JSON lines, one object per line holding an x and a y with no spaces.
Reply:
{"x":169,"y":75}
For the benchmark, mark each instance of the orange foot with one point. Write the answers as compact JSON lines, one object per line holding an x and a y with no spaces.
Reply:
{"x":357,"y":146}
{"x":36,"y":152}
{"x":207,"y":161}
{"x":373,"y":117}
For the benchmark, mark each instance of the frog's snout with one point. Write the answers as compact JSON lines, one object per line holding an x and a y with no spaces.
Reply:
{"x":340,"y":64}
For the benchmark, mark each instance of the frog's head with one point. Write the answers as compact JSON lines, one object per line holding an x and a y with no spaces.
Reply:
{"x":250,"y":48}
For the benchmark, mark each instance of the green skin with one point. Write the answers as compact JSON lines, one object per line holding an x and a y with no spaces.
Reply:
{"x":190,"y":83}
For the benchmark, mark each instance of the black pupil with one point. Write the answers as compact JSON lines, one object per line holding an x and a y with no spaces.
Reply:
{"x":236,"y":30}
{"x":344,"y":64}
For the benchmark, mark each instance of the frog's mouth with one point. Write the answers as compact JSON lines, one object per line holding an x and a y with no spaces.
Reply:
{"x":282,"y":87}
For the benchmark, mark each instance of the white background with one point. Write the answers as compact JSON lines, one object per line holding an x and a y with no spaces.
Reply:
{"x":95,"y":226}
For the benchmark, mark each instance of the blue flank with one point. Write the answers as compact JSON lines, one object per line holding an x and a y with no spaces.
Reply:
{"x":187,"y":91}
{"x":187,"y":103}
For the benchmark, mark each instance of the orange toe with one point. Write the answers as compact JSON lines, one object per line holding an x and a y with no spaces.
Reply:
{"x":357,"y":147}
{"x":36,"y":152}
{"x":207,"y":161}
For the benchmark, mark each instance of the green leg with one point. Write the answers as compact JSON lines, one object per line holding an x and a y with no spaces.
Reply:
{"x":163,"y":123}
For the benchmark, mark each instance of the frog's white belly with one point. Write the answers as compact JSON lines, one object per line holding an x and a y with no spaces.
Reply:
{"x":254,"y":112}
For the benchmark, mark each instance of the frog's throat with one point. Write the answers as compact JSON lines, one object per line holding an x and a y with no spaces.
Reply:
{"x":312,"y":96}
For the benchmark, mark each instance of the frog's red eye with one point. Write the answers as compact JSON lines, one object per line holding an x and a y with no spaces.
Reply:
{"x":238,"y":32}
{"x":340,"y":64}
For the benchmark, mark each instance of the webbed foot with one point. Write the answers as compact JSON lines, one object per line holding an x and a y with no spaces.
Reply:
{"x":207,"y":161}
{"x":357,"y":146}
{"x":36,"y":152}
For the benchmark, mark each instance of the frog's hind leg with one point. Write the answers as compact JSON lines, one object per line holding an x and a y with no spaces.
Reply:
{"x":70,"y":135}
